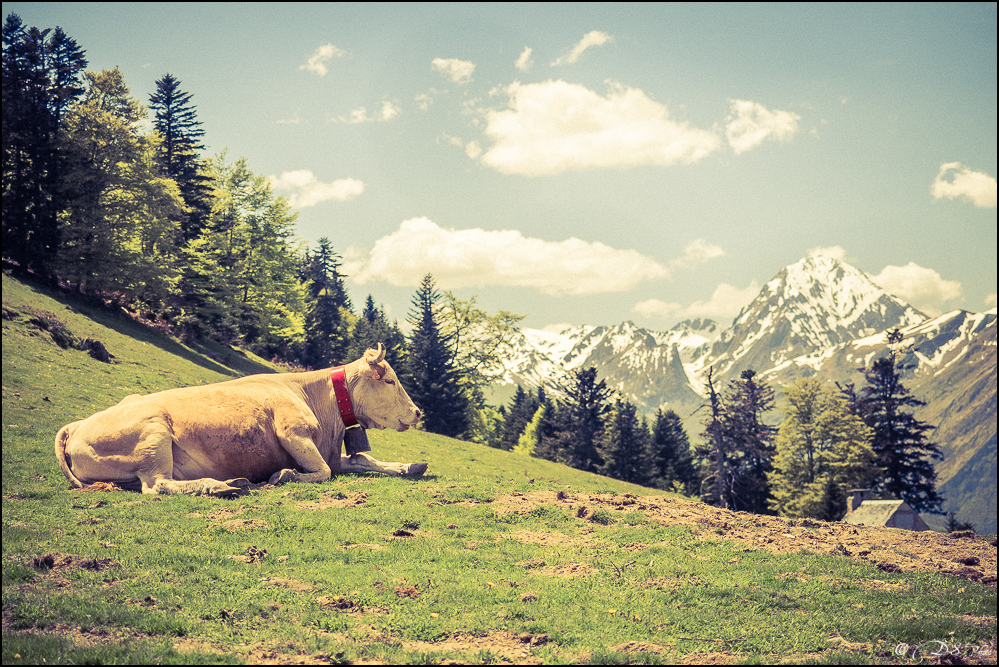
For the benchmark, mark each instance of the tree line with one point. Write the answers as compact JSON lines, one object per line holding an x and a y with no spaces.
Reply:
{"x":832,"y":439}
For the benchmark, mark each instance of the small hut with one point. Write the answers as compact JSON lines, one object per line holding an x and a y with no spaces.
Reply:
{"x":891,"y":513}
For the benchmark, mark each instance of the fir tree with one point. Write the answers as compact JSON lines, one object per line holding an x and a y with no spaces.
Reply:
{"x":371,"y":328}
{"x":900,"y":443}
{"x":326,"y":340}
{"x":625,"y":445}
{"x":42,"y":77}
{"x":671,"y":460}
{"x":176,"y":120}
{"x":823,"y":451}
{"x":432,"y":380}
{"x":521,"y":411}
{"x":571,"y":434}
{"x":751,"y":441}
{"x":716,"y":486}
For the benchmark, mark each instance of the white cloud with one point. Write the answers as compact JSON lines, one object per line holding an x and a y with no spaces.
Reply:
{"x":525,"y":62}
{"x":725,"y":303}
{"x":424,"y":100}
{"x":387,"y":112}
{"x":478,"y":258}
{"x":750,"y":124}
{"x":990,"y":300}
{"x":459,"y":71}
{"x":592,"y":38}
{"x":317,"y":63}
{"x":976,"y":186}
{"x":294,"y":120}
{"x":554,"y":126}
{"x":836,"y":252}
{"x":923,"y":288}
{"x":697,"y":252}
{"x":307,"y":190}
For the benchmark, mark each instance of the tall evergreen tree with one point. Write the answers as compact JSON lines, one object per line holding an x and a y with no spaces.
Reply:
{"x":42,"y":77}
{"x":823,"y":451}
{"x":522,"y":409}
{"x":176,"y":120}
{"x":625,"y":445}
{"x":571,"y":433}
{"x":751,"y":440}
{"x":672,"y":461}
{"x":717,"y":484}
{"x":900,"y":443}
{"x":433,"y":382}
{"x":326,"y":327}
{"x":371,"y":328}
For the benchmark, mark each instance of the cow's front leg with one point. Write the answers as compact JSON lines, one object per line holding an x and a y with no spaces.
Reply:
{"x":312,"y":465}
{"x":363,"y":463}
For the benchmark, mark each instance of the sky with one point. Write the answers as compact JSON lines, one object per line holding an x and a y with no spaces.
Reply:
{"x":595,"y":163}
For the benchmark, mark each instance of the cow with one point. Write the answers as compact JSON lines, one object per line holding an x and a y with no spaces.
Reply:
{"x":261,"y":428}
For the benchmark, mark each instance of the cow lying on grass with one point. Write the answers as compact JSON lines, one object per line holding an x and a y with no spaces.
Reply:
{"x":261,"y":428}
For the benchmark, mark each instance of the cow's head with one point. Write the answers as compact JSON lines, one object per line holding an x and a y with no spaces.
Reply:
{"x":378,"y":397}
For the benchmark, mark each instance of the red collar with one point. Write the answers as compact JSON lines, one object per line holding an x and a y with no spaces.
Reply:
{"x":338,"y":376}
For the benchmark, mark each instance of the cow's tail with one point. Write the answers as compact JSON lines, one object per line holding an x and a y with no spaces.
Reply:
{"x":60,"y":451}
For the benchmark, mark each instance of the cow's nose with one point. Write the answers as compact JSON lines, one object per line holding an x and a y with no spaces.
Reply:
{"x":418,"y":414}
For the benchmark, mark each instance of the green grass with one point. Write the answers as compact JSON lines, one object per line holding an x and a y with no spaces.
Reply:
{"x":172,"y":590}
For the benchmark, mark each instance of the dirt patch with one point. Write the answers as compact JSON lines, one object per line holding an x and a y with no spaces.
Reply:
{"x":55,"y":561}
{"x":291,"y":584}
{"x":515,"y":648}
{"x":254,"y":555}
{"x":570,"y":570}
{"x":335,"y":499}
{"x":962,"y":554}
{"x":234,"y":525}
{"x":641,"y":647}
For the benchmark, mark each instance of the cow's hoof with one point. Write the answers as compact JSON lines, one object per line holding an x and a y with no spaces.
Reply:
{"x":283,"y":477}
{"x":240,"y":483}
{"x":415,"y":470}
{"x":220,"y":490}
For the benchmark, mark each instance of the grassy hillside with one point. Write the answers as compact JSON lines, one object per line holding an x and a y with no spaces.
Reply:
{"x":490,"y":558}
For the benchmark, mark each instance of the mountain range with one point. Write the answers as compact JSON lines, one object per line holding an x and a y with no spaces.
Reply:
{"x":817,"y":317}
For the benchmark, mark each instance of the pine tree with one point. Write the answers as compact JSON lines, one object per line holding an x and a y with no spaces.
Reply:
{"x":751,"y":441}
{"x":625,"y":445}
{"x":176,"y":120}
{"x":571,"y":434}
{"x":42,"y":77}
{"x":521,"y":411}
{"x":326,"y":327}
{"x":671,"y":459}
{"x":431,"y":378}
{"x":371,"y":328}
{"x":823,"y":451}
{"x":900,"y":443}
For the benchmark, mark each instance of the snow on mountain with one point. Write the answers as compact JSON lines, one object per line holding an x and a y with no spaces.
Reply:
{"x":809,"y":306}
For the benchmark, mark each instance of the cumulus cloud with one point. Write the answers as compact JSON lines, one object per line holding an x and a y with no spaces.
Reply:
{"x":592,"y":38}
{"x":307,"y":190}
{"x":525,"y":62}
{"x":725,"y":303}
{"x":750,"y":124}
{"x":697,"y":252}
{"x":554,"y":126}
{"x":480,"y":258}
{"x":921,"y":287}
{"x":317,"y":63}
{"x":990,"y":300}
{"x":975,"y":186}
{"x":387,"y":112}
{"x":459,"y":71}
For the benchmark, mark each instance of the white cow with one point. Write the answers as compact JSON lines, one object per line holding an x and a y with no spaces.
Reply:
{"x":276,"y":428}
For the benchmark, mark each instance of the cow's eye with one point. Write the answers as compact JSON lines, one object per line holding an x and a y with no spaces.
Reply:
{"x":390,"y":381}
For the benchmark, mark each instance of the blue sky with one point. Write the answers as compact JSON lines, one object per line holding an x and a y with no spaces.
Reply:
{"x":590,"y":164}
